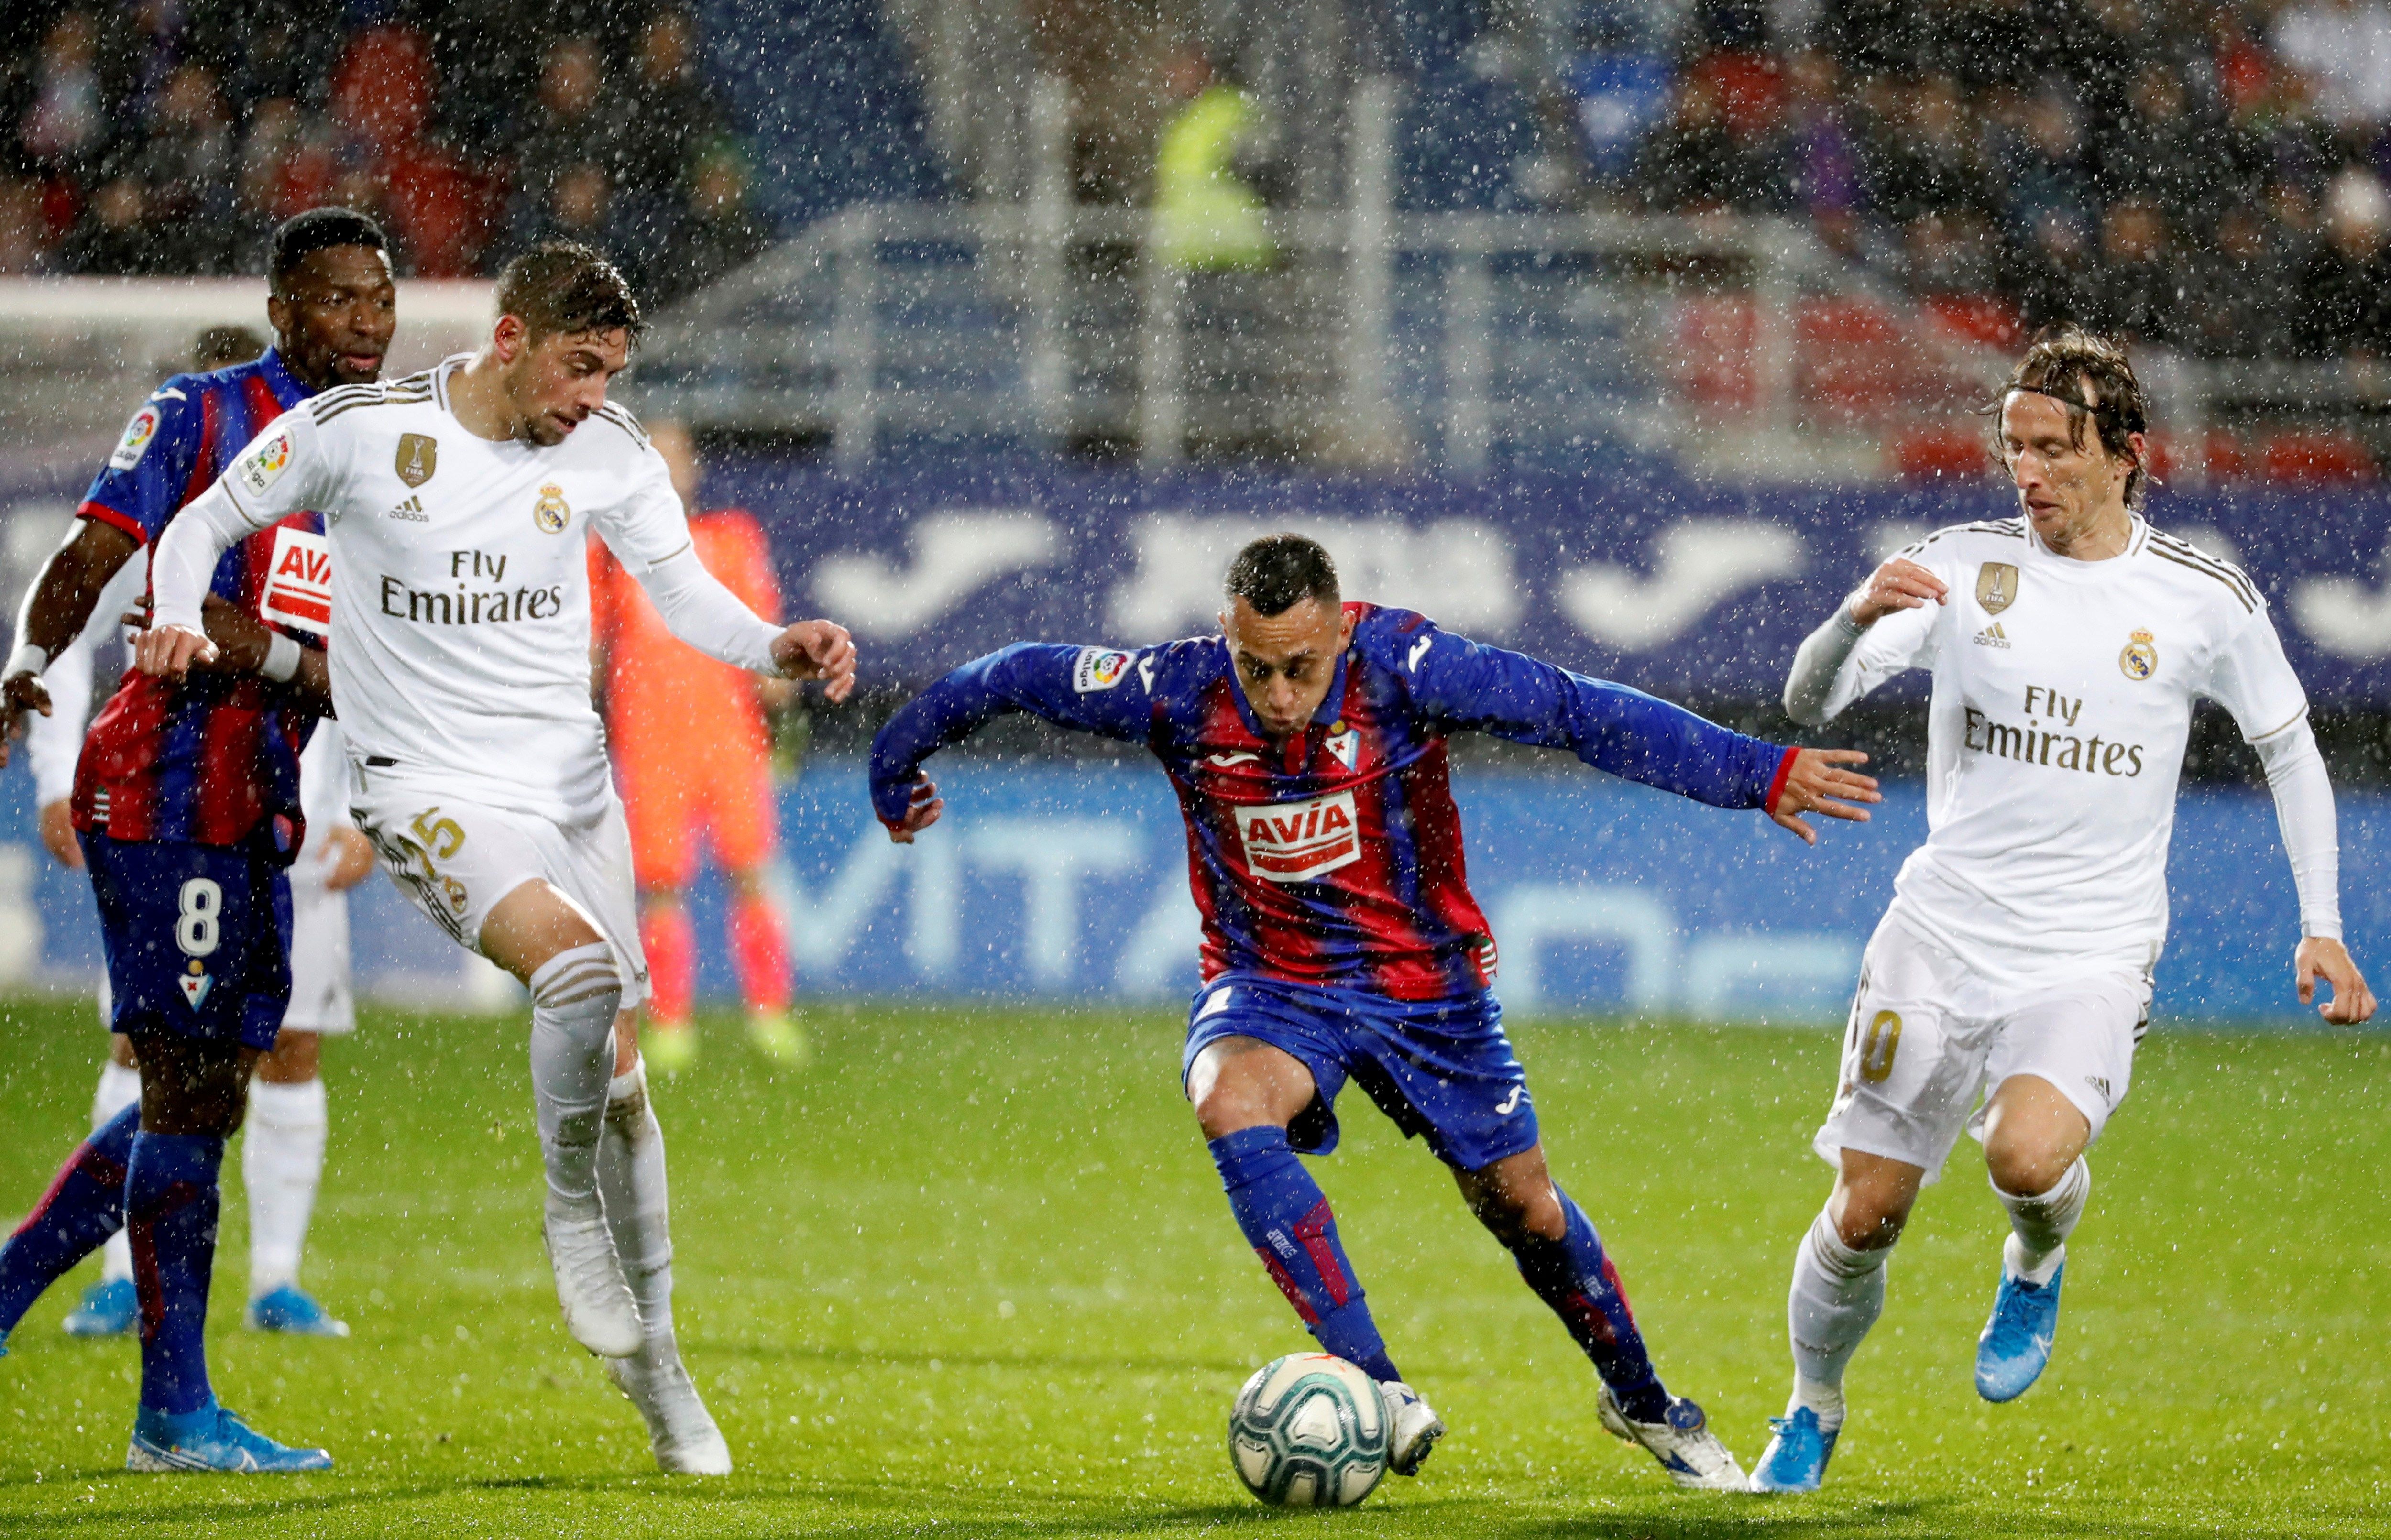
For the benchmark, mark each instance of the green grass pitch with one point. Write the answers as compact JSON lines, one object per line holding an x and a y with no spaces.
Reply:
{"x":972,"y":1274}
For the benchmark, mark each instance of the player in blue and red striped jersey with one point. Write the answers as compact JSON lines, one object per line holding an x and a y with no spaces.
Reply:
{"x":186,"y":805}
{"x":1307,"y":744}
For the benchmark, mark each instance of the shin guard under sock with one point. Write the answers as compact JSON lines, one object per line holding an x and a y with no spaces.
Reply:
{"x":761,"y":955}
{"x":170,"y":1204}
{"x":1837,"y":1293}
{"x":1287,"y":1219}
{"x":638,"y":1207}
{"x":2041,"y":1224}
{"x":573,"y":998}
{"x":84,"y":1207}
{"x":1575,"y":1277}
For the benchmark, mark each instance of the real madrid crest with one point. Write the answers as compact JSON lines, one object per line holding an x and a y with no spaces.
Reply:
{"x":2141,"y":658}
{"x":1997,"y":587}
{"x":551,"y":511}
{"x":419,"y":456}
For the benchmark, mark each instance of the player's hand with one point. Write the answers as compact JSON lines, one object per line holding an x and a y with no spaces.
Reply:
{"x":920,"y":814}
{"x":241,"y":640}
{"x":19,"y":694}
{"x":348,"y":857}
{"x":58,"y":834}
{"x":2352,"y":1002}
{"x":1899,"y":584}
{"x":818,"y":650}
{"x":169,"y":651}
{"x":1815,"y":783}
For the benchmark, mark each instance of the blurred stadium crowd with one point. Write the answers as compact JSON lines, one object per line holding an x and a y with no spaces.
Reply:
{"x":2199,"y":175}
{"x":169,"y":136}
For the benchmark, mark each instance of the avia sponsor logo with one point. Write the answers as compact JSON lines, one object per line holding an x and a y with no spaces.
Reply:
{"x":470,"y":606}
{"x":1993,"y":636}
{"x":1299,"y":841}
{"x":2034,"y":744}
{"x":299,"y":582}
{"x":410,"y":512}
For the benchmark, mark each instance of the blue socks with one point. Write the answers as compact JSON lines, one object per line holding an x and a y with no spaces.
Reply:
{"x":1574,"y":1277}
{"x":84,"y":1207}
{"x":1287,"y":1220}
{"x":170,"y":1207}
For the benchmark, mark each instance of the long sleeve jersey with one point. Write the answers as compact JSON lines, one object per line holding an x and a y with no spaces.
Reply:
{"x":1333,"y":857}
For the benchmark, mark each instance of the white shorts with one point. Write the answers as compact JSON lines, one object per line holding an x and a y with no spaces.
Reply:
{"x":319,"y":960}
{"x":1929,"y":1036}
{"x":455,"y":860}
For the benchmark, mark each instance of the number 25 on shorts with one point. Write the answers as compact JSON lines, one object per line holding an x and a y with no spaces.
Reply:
{"x":440,"y":838}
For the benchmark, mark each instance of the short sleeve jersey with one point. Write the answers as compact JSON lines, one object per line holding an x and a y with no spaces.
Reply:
{"x":2061,"y":704}
{"x":210,"y":760}
{"x":459,"y":582}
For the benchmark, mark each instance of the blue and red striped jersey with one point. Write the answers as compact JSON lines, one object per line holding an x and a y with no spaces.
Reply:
{"x":1334,"y":858}
{"x":211,"y":758}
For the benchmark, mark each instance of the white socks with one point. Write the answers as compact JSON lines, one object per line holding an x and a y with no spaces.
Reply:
{"x":282,"y":1161}
{"x":575,"y":996}
{"x":2039,"y":1226}
{"x":631,"y":1184}
{"x":1837,"y":1295}
{"x":120,"y":1087}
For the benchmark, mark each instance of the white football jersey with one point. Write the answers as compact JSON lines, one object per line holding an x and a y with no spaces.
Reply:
{"x":2063,"y":700}
{"x":455,"y":571}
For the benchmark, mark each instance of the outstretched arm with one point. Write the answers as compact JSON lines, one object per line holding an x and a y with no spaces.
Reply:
{"x":1098,"y":689}
{"x":55,"y":610}
{"x":702,"y":612}
{"x":1630,"y":734}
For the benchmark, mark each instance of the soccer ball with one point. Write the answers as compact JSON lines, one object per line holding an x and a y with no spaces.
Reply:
{"x":1309,"y":1431}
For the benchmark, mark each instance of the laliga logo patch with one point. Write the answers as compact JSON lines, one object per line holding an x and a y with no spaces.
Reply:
{"x":2141,"y":658}
{"x":552,"y":512}
{"x":1299,"y":841}
{"x":138,"y":435}
{"x":299,"y":582}
{"x":264,"y":465}
{"x":1099,"y":668}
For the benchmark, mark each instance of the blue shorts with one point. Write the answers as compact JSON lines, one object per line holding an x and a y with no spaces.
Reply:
{"x":1441,"y":1069}
{"x":196,"y":937}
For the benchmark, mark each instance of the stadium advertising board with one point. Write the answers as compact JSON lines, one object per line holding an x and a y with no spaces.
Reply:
{"x":1652,"y":579}
{"x":1069,"y":881}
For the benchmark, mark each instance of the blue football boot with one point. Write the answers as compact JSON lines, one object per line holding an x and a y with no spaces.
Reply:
{"x":109,"y":1309}
{"x":212,"y":1439}
{"x":1796,"y":1457}
{"x":293,"y":1311}
{"x":2016,"y":1343}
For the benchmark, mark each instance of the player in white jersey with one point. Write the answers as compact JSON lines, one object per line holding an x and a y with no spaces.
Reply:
{"x":457,"y":503}
{"x":282,"y":1144}
{"x":2067,"y":645}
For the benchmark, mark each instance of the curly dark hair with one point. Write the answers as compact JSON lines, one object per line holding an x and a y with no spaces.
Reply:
{"x":561,"y":286}
{"x":2089,"y":374}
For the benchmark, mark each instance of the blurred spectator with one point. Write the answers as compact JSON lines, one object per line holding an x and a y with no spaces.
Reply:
{"x":66,"y":125}
{"x":185,"y":163}
{"x":578,"y":122}
{"x":114,"y":238}
{"x":2343,"y":48}
{"x":1699,"y":162}
{"x":1822,"y":158}
{"x":2136,"y":296}
{"x":713,"y":236}
{"x":2044,"y":173}
{"x":1930,"y":156}
{"x":578,"y":206}
{"x":2238,"y":299}
{"x":2345,"y":286}
{"x":23,"y":232}
{"x":672,"y":108}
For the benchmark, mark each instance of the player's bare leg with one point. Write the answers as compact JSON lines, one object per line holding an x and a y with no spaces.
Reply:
{"x":1837,"y":1293}
{"x":282,"y":1164}
{"x":542,"y":938}
{"x":1246,"y":1093}
{"x":1561,"y":1257}
{"x":631,"y":1181}
{"x":2034,"y":1151}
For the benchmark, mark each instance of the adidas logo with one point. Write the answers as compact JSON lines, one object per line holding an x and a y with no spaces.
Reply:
{"x":1991,"y":636}
{"x":410,"y":512}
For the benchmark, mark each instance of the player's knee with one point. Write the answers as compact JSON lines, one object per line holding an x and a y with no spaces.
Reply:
{"x":1224,"y":1106}
{"x":2026,"y":1168}
{"x":1870,"y":1216}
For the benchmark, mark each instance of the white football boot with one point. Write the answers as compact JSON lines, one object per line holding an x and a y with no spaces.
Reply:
{"x":680,"y":1431}
{"x":599,"y":1309}
{"x":1681,"y":1442}
{"x":1412,"y":1428}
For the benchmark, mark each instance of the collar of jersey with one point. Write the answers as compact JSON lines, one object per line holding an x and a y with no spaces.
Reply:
{"x":285,"y":385}
{"x":2136,"y":538}
{"x":1332,"y":706}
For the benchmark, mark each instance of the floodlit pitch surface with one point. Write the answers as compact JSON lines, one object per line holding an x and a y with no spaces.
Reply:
{"x":974,"y":1272}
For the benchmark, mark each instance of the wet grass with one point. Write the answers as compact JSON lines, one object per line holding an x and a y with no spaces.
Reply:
{"x":971,"y":1274}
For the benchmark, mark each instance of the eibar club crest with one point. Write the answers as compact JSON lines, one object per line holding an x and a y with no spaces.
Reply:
{"x":419,"y":456}
{"x":2141,"y":658}
{"x":1997,"y":587}
{"x":552,"y":512}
